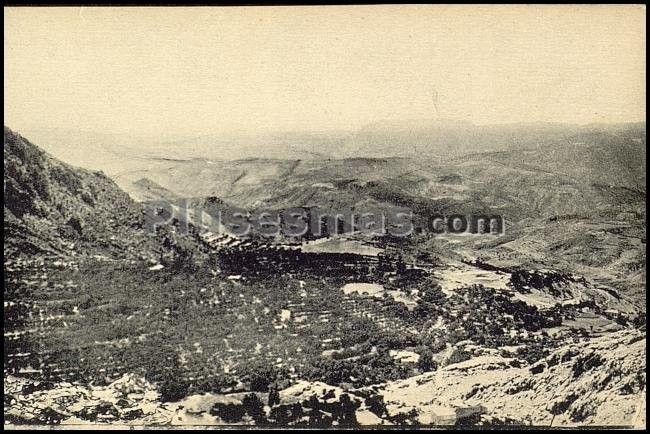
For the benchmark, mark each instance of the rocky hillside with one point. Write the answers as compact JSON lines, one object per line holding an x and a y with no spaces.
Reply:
{"x":594,"y":382}
{"x":599,"y":381}
{"x":51,"y":207}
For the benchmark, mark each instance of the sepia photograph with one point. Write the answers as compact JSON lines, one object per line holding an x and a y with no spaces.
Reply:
{"x":342,"y":217}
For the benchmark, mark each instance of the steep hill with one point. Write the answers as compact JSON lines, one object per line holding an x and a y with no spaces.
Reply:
{"x":146,"y":190}
{"x":51,"y":207}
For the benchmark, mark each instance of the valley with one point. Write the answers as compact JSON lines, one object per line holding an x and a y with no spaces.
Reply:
{"x":105,"y":322}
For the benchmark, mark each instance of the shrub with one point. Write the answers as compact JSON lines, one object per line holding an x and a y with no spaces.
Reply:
{"x":173,"y":389}
{"x":254,"y":407}
{"x":229,"y":413}
{"x":426,"y":362}
{"x":458,"y":355}
{"x":376,"y":405}
{"x":261,"y":376}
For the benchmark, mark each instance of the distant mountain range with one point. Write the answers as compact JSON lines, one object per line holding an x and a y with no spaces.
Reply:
{"x":435,"y":139}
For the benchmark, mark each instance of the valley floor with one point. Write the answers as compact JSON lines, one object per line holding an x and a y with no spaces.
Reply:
{"x":156,"y":346}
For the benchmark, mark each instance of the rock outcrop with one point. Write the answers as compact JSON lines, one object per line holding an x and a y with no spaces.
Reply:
{"x":595,"y":382}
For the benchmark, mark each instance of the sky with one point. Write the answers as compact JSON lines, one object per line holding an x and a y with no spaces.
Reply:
{"x":198,"y":71}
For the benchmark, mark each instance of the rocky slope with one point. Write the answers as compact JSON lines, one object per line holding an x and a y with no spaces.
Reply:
{"x":595,"y":382}
{"x":51,"y":207}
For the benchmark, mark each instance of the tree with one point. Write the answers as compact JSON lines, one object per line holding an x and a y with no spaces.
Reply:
{"x":347,"y":411}
{"x":426,"y":362}
{"x":274,"y":397}
{"x":376,"y":405}
{"x":254,"y":408}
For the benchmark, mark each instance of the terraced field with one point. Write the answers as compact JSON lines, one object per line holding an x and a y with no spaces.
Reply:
{"x":138,"y":320}
{"x":101,"y":319}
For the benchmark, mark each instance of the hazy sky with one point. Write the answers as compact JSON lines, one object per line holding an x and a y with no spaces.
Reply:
{"x":184,"y":71}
